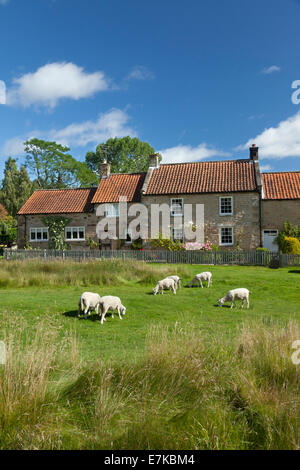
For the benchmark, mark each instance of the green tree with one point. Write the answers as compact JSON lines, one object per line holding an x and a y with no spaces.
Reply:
{"x":8,"y":231}
{"x":53,"y":167}
{"x":16,"y":187}
{"x":126,"y":155}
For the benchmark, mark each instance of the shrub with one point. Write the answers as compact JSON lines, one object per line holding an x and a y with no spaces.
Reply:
{"x":289,"y":230}
{"x":291,"y":245}
{"x":166,"y":244}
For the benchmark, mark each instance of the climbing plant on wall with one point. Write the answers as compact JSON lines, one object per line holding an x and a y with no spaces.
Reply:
{"x":56,"y":227}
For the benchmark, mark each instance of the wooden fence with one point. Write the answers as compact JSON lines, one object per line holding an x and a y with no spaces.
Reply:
{"x":250,"y":258}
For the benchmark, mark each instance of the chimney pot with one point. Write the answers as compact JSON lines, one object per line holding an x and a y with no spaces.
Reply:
{"x":253,"y":152}
{"x":104,"y":169}
{"x":154,"y":161}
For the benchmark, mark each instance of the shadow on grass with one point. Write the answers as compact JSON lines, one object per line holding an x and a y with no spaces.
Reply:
{"x":74,"y":313}
{"x":295,"y":271}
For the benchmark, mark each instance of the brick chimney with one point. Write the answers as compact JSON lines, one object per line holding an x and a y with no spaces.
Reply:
{"x":253,"y":152}
{"x":104,"y":169}
{"x":153,"y":161}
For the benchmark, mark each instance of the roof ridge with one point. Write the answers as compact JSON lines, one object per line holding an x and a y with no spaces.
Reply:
{"x":136,"y":173}
{"x":63,"y":189}
{"x":279,"y":172}
{"x":210,"y":161}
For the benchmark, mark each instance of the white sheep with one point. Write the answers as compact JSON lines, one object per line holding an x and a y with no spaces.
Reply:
{"x":166,"y":283}
{"x":110,"y":302}
{"x":205,"y":276}
{"x":176,"y":279}
{"x":240,"y":294}
{"x":87,"y":301}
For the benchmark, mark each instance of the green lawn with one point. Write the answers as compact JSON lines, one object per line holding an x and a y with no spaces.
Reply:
{"x":275,"y":295}
{"x":178,"y":372}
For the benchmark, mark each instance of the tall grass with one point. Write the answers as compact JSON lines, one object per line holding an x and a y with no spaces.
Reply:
{"x":187,"y":391}
{"x":41,"y":273}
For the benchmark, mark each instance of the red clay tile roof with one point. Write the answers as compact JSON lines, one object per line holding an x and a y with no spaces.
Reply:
{"x":116,"y":185}
{"x":203,"y":177}
{"x":59,"y":201}
{"x":281,"y":185}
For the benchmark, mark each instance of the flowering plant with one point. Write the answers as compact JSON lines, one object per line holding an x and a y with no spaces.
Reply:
{"x":207,"y":246}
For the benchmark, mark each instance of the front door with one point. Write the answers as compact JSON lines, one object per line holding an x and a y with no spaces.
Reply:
{"x":269,"y":239}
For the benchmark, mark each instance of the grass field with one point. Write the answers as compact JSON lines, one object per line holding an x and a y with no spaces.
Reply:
{"x":177,"y":372}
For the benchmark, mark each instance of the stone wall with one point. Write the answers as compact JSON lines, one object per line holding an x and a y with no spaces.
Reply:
{"x":276,"y":212}
{"x":244,"y":220}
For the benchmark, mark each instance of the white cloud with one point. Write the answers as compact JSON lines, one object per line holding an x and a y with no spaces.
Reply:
{"x":280,"y":141}
{"x":271,"y":69}
{"x":13,"y":147}
{"x":2,"y":92}
{"x":187,"y":153}
{"x":54,"y":82}
{"x":140,"y":72}
{"x":265,"y":167}
{"x":114,"y":123}
{"x":3,"y":2}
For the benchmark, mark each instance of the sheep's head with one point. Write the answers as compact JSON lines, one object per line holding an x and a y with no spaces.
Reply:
{"x":221,"y":301}
{"x":155,"y":290}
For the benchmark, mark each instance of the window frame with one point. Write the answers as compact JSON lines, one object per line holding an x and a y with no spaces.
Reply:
{"x":72,"y":228}
{"x":182,"y":206}
{"x":220,"y":235}
{"x":178,"y":239}
{"x":35,"y":229}
{"x":220,"y":205}
{"x":108,"y":213}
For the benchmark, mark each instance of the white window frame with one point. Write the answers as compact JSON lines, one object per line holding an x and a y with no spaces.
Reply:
{"x":172,"y":204}
{"x":220,"y":235}
{"x":220,"y":204}
{"x":112,"y":209}
{"x":72,"y":229}
{"x":182,"y":232}
{"x":35,"y":230}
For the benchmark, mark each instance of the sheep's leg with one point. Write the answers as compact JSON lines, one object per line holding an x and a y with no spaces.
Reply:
{"x":86,"y":311}
{"x":243,"y":301}
{"x":120,"y":316}
{"x":103,"y":313}
{"x":174,"y":290}
{"x":247,"y":302}
{"x":232,"y":303}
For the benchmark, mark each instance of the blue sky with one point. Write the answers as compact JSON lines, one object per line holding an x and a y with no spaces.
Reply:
{"x":196,"y":79}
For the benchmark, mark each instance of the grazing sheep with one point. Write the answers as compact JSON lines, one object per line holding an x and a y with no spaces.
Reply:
{"x":177,"y":280}
{"x":109,"y":302}
{"x":205,"y":276}
{"x":87,"y":301}
{"x":240,"y":294}
{"x":166,"y":283}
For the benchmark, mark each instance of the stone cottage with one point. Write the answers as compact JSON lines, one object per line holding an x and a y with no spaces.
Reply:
{"x":240,"y":204}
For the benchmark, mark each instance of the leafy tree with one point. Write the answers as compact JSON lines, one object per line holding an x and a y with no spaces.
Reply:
{"x":16,"y":187}
{"x":126,"y":155}
{"x":53,"y":167}
{"x":8,"y":231}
